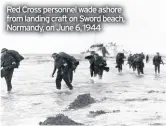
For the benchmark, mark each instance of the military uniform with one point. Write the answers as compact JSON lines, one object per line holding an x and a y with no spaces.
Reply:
{"x":91,"y":61}
{"x":72,"y":63}
{"x":104,"y":51}
{"x":142,"y":56}
{"x":10,"y":59}
{"x":119,"y":61}
{"x":133,"y":64}
{"x":147,"y":58}
{"x":156,"y":62}
{"x":99,"y":64}
{"x":130,"y":60}
{"x":139,"y":63}
{"x":65,"y":64}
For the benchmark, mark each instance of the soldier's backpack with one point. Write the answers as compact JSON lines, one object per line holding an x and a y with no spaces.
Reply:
{"x":59,"y":62}
{"x":157,"y":59}
{"x":7,"y":62}
{"x":120,"y":57}
{"x":100,"y":62}
{"x":16,"y":56}
{"x":67,"y":57}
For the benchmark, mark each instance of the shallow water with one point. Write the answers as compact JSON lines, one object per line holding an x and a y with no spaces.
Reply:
{"x":140,"y":99}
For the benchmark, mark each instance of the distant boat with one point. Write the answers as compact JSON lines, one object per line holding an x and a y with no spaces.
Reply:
{"x":111,"y":47}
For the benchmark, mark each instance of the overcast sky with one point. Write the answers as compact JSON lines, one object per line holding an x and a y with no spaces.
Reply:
{"x":145,"y":30}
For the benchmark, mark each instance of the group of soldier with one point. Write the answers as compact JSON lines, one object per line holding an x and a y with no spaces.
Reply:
{"x":136,"y":62}
{"x":66,"y":64}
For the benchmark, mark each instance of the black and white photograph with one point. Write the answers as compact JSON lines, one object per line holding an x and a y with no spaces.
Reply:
{"x":83,"y":62}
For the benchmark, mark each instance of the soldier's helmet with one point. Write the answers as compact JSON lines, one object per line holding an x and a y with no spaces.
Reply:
{"x":3,"y":50}
{"x":54,"y":55}
{"x":157,"y":53}
{"x":92,"y":52}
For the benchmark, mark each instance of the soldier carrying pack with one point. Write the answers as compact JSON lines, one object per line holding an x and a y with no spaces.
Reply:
{"x":10,"y":60}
